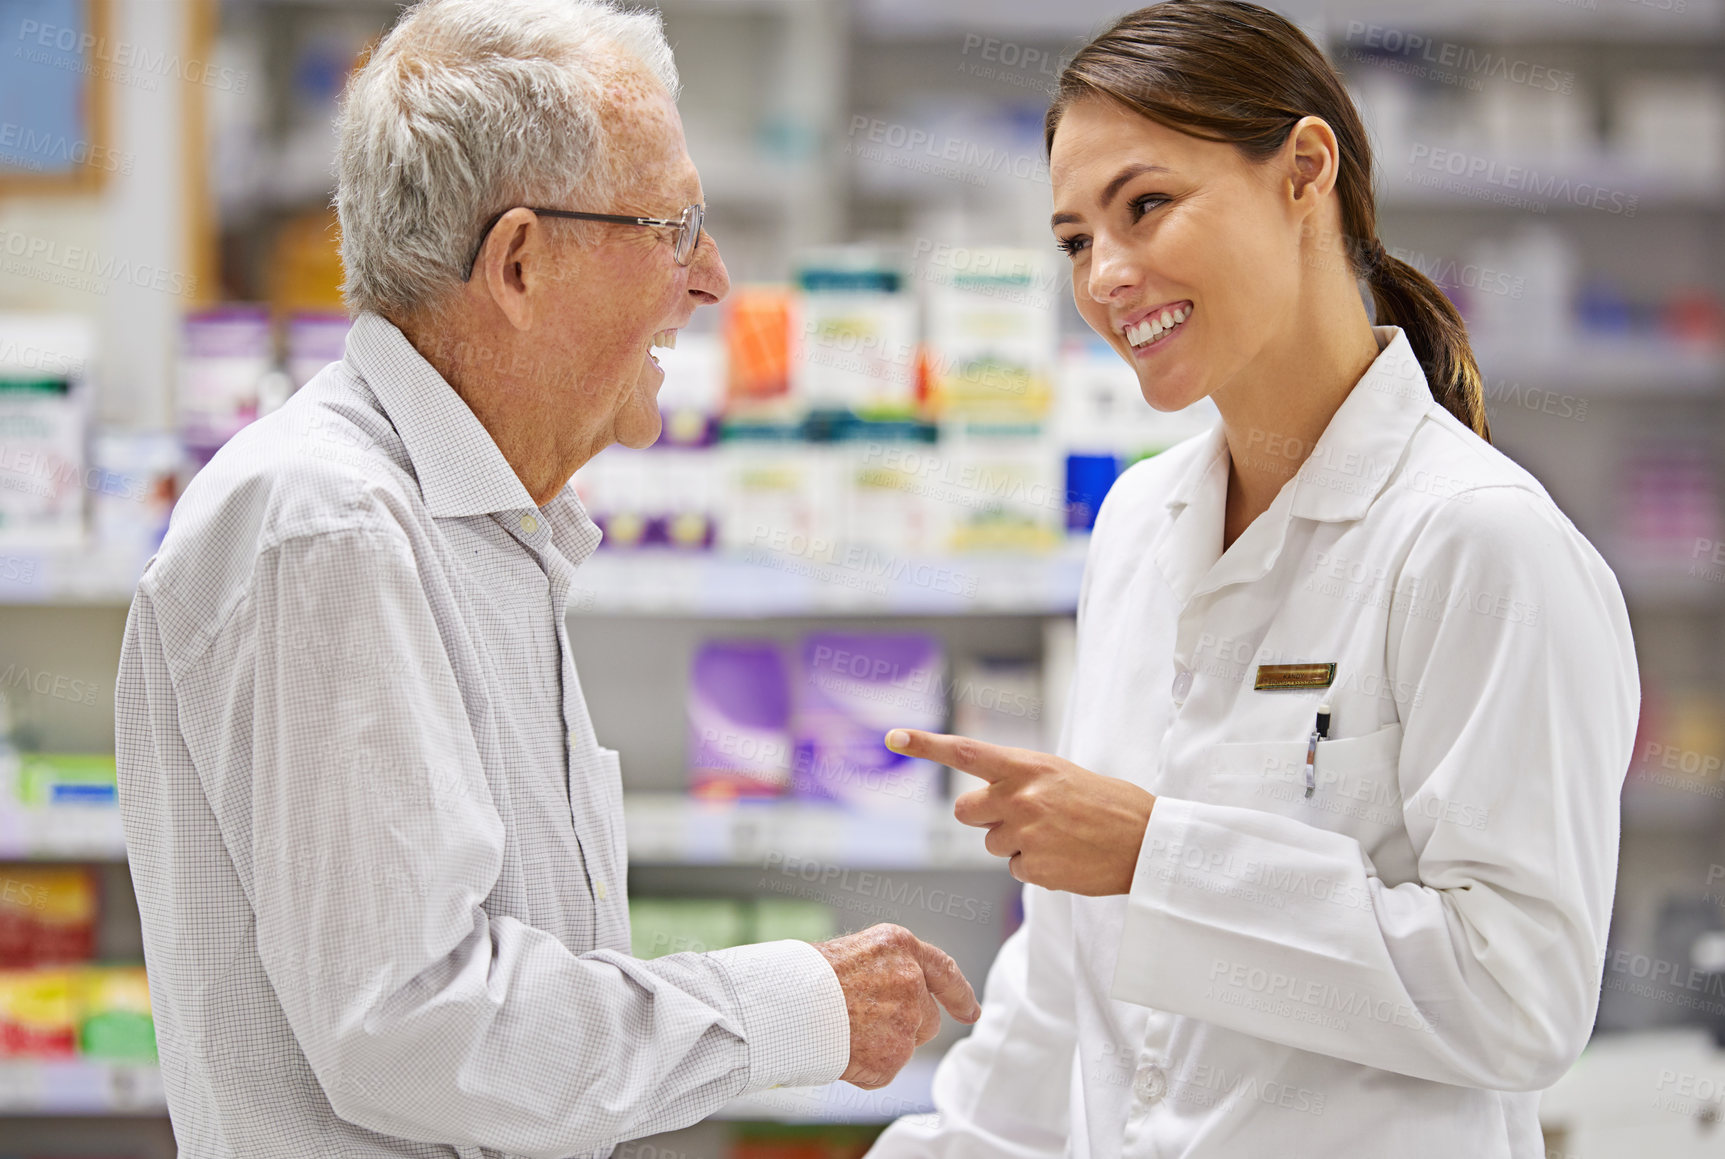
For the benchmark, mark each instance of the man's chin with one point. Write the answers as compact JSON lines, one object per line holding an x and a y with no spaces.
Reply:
{"x":639,"y":427}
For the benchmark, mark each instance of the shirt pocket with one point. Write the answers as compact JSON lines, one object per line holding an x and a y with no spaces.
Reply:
{"x":1356,"y":790}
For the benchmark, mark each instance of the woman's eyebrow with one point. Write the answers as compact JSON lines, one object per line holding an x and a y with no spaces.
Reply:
{"x":1112,"y":189}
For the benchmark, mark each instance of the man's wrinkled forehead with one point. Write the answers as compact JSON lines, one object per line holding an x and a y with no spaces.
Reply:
{"x":647,"y":147}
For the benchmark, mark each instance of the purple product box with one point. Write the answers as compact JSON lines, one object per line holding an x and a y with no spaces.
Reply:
{"x":739,"y":720}
{"x":852,"y":688}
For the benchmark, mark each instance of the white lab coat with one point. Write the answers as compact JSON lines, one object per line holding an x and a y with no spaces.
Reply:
{"x":1400,"y":963}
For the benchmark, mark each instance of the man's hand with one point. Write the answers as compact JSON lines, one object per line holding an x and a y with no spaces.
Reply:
{"x":1058,"y":825}
{"x":891,"y":981}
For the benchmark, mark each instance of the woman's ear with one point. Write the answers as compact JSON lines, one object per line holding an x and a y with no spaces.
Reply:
{"x":1313,"y":159}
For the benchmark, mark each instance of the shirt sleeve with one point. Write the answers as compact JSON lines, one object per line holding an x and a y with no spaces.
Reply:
{"x":369,"y":843}
{"x":1484,"y":971}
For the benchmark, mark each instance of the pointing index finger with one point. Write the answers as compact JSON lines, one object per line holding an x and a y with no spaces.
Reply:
{"x":979,"y":758}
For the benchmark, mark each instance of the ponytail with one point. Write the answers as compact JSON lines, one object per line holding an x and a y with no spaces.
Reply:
{"x":1229,"y":71}
{"x":1407,"y":298}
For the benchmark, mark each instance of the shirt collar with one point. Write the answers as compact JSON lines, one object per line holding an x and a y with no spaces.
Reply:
{"x":1359,"y":449}
{"x":460,"y":469}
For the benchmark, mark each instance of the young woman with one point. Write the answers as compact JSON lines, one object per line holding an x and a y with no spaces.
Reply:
{"x":1324,"y":864}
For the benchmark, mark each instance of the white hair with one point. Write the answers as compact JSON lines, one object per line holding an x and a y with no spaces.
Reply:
{"x":467,"y":108}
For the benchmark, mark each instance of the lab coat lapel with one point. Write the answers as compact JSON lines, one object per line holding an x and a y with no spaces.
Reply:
{"x":1348,"y":467}
{"x":1193,"y":539}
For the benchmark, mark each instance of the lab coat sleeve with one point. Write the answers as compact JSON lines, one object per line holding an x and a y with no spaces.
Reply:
{"x":1515,"y":677}
{"x":422,"y":1015}
{"x":1002,"y":1092}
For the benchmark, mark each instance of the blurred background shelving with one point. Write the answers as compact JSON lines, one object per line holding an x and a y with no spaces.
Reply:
{"x":1559,"y":168}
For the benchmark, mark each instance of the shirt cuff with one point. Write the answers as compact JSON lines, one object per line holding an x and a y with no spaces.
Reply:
{"x":793,"y":1012}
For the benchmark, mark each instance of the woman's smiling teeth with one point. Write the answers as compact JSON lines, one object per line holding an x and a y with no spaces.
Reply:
{"x":1156,"y":326}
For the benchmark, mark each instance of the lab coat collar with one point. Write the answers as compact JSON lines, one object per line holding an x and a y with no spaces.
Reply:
{"x":1347,"y":469}
{"x":1366,"y":438}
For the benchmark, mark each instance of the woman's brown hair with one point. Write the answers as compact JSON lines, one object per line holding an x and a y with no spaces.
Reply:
{"x":1228,"y":71}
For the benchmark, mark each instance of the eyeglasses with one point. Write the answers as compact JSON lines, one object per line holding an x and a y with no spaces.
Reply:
{"x":688,"y":228}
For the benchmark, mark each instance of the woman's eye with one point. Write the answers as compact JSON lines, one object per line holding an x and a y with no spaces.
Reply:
{"x":1070,"y":246}
{"x":1142,"y":205}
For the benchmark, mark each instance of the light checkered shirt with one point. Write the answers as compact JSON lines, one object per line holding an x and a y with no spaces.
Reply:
{"x":377,"y":846}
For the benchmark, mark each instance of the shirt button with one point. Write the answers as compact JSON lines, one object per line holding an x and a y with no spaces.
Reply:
{"x":529,"y":524}
{"x":1150,"y":1084}
{"x":599,"y":888}
{"x":1182,"y":684}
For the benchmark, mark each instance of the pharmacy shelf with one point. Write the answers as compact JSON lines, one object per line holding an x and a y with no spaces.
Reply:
{"x":1593,"y":366}
{"x":74,"y":1086}
{"x":1620,"y":193}
{"x":663,"y":829}
{"x":672,"y":829}
{"x":765,"y":583}
{"x":664,"y":582}
{"x":61,"y":833}
{"x":1686,"y":22}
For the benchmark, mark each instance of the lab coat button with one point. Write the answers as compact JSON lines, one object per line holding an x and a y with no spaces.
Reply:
{"x":1150,"y":1084}
{"x":1182,"y":684}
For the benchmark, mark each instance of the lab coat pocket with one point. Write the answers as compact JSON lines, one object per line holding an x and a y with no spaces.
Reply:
{"x":1354,"y":783}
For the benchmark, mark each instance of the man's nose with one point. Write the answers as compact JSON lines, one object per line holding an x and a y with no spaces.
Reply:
{"x":709,"y":281}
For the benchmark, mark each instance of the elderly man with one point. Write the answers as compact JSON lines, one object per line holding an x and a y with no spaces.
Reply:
{"x":377,"y":845}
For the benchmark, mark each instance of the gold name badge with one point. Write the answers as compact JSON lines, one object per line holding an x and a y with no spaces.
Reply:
{"x":1274,"y":676}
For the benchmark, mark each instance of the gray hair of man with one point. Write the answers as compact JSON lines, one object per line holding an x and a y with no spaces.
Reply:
{"x":468,"y":108}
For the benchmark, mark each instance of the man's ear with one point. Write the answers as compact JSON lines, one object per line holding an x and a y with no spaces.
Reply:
{"x":1313,"y":160}
{"x":511,"y":265}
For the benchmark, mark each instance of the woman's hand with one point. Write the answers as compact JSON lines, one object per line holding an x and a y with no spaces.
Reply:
{"x":1058,"y":825}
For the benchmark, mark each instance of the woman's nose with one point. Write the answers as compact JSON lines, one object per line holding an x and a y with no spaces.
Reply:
{"x":1113,"y":269}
